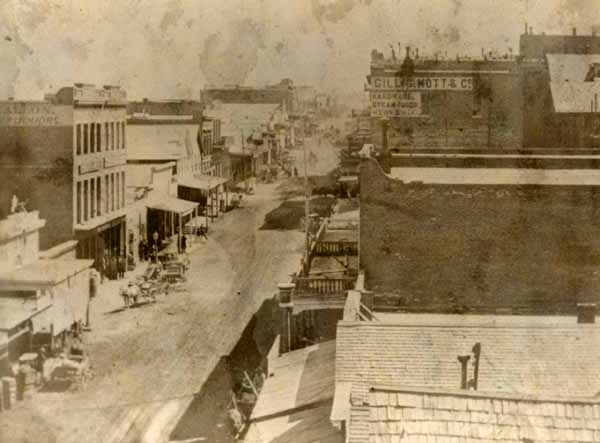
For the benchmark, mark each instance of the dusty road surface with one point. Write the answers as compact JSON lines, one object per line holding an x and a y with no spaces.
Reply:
{"x":149,"y":361}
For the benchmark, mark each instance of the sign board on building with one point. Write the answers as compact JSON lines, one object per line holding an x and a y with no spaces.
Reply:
{"x":90,"y":166}
{"x":396,"y":104}
{"x":36,"y":114}
{"x":421,"y":83}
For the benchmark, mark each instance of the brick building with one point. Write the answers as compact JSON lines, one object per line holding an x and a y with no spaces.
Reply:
{"x":441,"y":102}
{"x":66,"y":156}
{"x":480,"y":239}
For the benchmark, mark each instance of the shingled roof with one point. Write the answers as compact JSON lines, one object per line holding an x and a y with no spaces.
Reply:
{"x":404,"y":415}
{"x":561,"y":359}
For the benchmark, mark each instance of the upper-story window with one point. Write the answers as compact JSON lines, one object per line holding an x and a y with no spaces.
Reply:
{"x":106,"y":137}
{"x":98,"y":137}
{"x":78,"y":139}
{"x":123,"y":135}
{"x":86,"y":140}
{"x":118,"y":135}
{"x":112,"y":136}
{"x":92,"y":137}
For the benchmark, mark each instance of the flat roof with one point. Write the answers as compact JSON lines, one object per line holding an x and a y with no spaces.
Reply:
{"x":498,"y":176}
{"x":45,"y":272}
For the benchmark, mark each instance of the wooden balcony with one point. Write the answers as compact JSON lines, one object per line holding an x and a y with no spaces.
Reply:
{"x":311,"y":286}
{"x":339,"y":248}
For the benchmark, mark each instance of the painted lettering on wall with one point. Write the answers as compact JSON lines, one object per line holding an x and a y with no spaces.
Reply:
{"x":421,"y":83}
{"x":31,"y":114}
{"x":396,"y":104}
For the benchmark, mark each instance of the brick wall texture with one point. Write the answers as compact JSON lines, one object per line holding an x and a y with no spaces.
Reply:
{"x":36,"y":164}
{"x":480,"y":248}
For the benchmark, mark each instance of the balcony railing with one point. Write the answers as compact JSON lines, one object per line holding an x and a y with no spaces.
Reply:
{"x":323,"y":286}
{"x":343,"y":247}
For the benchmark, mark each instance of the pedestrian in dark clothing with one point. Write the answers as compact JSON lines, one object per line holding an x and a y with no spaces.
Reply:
{"x":141,"y":250}
{"x":121,"y":267}
{"x":113,"y":268}
{"x":93,"y":285}
{"x":183,"y":243}
{"x":203,"y":232}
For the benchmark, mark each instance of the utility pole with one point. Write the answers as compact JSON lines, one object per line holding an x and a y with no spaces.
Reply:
{"x":244,"y":163}
{"x":306,"y":206}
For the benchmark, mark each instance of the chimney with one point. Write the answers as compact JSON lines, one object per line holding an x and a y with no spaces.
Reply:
{"x":525,"y":28}
{"x":464,"y":362}
{"x":408,"y":52}
{"x":586,"y":312}
{"x":574,"y":31}
{"x":531,"y":30}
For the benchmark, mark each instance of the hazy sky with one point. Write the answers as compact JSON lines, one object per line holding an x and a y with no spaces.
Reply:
{"x":171,"y":48}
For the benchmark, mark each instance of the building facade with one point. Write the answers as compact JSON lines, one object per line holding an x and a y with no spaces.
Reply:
{"x":66,"y":156}
{"x":441,"y":102}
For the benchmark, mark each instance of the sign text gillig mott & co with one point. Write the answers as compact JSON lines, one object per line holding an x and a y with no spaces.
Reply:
{"x":421,"y":83}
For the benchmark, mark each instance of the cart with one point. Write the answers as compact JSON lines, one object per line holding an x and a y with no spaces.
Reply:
{"x":174,"y":272}
{"x":71,"y":369}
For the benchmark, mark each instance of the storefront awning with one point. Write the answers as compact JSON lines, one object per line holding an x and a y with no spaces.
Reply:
{"x":42,"y":273}
{"x":171,"y":204}
{"x":202,"y":182}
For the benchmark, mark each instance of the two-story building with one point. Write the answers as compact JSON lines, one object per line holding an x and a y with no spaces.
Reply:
{"x":66,"y":156}
{"x":40,"y":298}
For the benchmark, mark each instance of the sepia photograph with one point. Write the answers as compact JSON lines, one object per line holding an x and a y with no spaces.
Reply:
{"x":299,"y":221}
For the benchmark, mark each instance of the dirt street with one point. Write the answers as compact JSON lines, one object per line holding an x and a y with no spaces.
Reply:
{"x":149,"y":361}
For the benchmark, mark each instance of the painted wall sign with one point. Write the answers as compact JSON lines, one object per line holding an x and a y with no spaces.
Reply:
{"x":33,"y":114}
{"x":421,"y":83}
{"x":396,"y":104}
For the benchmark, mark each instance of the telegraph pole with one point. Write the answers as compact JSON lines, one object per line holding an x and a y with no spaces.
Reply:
{"x":244,"y":163}
{"x":306,"y":205}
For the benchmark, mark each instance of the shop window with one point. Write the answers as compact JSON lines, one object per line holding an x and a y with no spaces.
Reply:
{"x":78,"y":139}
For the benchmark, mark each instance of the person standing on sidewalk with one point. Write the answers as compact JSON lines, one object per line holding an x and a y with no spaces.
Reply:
{"x":183,"y":243}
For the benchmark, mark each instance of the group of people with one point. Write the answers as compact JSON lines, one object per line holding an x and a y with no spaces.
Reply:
{"x":113,"y":267}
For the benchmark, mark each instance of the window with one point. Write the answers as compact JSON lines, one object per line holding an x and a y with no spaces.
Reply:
{"x":78,"y":203}
{"x":85,"y":139}
{"x":98,"y":137}
{"x":85,"y":200}
{"x":106,"y":136}
{"x":99,"y":195}
{"x":78,"y":139}
{"x":118,"y":128}
{"x":118,"y":191}
{"x":123,"y":135}
{"x":92,"y":137}
{"x":122,"y":189}
{"x":112,"y":191}
{"x":112,"y":136}
{"x":106,"y":191}
{"x":92,"y":198}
